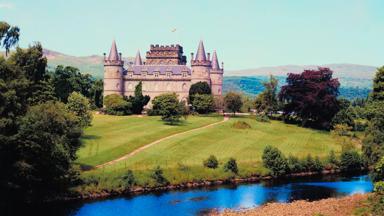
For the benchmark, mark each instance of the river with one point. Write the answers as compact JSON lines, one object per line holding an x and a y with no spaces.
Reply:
{"x":202,"y":200}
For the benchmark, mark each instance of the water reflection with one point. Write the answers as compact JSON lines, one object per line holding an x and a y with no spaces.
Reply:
{"x":193,"y":202}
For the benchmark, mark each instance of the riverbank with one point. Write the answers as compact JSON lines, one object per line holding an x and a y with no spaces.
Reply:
{"x":344,"y":206}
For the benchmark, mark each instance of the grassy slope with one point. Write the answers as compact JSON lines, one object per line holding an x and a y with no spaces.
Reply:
{"x":181,"y":157}
{"x":113,"y":136}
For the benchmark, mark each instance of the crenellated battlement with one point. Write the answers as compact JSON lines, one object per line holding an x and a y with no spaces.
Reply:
{"x":165,"y":55}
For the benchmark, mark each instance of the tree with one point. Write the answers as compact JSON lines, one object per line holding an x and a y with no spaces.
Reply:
{"x":139,"y":100}
{"x":231,"y":165}
{"x":117,"y":105}
{"x":211,"y":162}
{"x":69,"y":79}
{"x":233,"y":102}
{"x":203,"y":103}
{"x":9,"y":36}
{"x":199,"y":88}
{"x":274,"y":160}
{"x":97,"y":93}
{"x":378,"y":85}
{"x":169,"y":107}
{"x":267,"y":101}
{"x":79,"y":105}
{"x":312,"y":96}
{"x":47,"y":142}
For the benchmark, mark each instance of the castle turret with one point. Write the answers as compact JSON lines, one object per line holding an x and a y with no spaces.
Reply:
{"x":113,"y":72}
{"x":138,"y":59}
{"x":216,"y":75}
{"x":200,"y":66}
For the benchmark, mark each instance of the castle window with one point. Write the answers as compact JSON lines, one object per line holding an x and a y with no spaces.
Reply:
{"x":130,"y":75}
{"x":156,"y":74}
{"x":184,"y":74}
{"x":144,"y":74}
{"x":168,"y":74}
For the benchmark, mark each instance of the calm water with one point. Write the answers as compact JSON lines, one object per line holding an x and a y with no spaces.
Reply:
{"x":199,"y":201}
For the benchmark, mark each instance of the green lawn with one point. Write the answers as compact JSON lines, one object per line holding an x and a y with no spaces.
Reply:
{"x":182,"y":156}
{"x":111,"y":137}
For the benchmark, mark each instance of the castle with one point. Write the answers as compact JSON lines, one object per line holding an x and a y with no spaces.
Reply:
{"x":164,"y":70}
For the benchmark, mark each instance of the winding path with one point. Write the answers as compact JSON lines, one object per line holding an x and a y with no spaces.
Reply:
{"x":226,"y":118}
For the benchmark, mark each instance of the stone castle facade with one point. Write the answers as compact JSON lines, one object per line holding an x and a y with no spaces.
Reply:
{"x":164,"y":70}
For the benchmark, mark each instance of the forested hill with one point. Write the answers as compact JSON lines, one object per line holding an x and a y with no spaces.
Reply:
{"x":355,"y":79}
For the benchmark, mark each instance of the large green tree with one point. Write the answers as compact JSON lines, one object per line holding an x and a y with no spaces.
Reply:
{"x":378,"y":85}
{"x":199,"y":88}
{"x":79,"y":105}
{"x":9,"y":36}
{"x":233,"y":102}
{"x":267,"y":101}
{"x":203,"y":103}
{"x":169,"y":107}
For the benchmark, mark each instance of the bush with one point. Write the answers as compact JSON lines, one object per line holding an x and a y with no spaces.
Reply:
{"x":129,"y":178}
{"x":169,"y":107}
{"x":231,"y":165}
{"x":202,"y":103}
{"x":241,"y":125}
{"x":350,"y":160}
{"x":262,"y":118}
{"x":312,"y":165}
{"x":211,"y":162}
{"x":158,"y":176}
{"x":378,"y":171}
{"x":79,"y":105}
{"x":318,"y":166}
{"x":274,"y":160}
{"x":117,"y":105}
{"x":294,"y":164}
{"x":332,"y":161}
{"x":342,"y":130}
{"x":233,"y":102}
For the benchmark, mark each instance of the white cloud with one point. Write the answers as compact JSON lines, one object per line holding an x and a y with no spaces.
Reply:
{"x":6,"y":5}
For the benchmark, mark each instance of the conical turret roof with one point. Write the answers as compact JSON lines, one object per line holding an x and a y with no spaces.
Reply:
{"x":138,"y":59}
{"x":200,"y":55}
{"x":215,"y":61}
{"x":113,"y":54}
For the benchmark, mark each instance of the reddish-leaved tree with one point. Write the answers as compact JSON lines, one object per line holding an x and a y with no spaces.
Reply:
{"x":312,"y":96}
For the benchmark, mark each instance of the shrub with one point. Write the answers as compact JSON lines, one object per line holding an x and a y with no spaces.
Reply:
{"x":332,"y":161}
{"x":274,"y":160}
{"x":262,"y":118}
{"x":342,"y":130}
{"x":158,"y":176}
{"x":241,"y":125}
{"x":233,"y":102}
{"x":350,"y":160}
{"x":231,"y":165}
{"x":169,"y":107}
{"x":294,"y":164}
{"x":318,"y":166}
{"x":129,"y":178}
{"x":378,"y":171}
{"x":211,"y":162}
{"x":79,"y":105}
{"x":117,"y":105}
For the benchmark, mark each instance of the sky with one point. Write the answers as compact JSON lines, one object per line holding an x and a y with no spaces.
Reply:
{"x":245,"y":33}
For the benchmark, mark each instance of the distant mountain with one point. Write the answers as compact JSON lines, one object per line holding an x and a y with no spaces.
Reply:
{"x":87,"y":64}
{"x":340,"y":70}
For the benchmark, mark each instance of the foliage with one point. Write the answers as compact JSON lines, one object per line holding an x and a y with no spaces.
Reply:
{"x":79,"y":105}
{"x":47,"y":142}
{"x":69,"y":79}
{"x":96,"y":93}
{"x":211,"y":162}
{"x":350,"y":160}
{"x":139,"y":100}
{"x":202,"y":103}
{"x":294,"y":164}
{"x":231,"y":165}
{"x":267,"y":102}
{"x":262,"y":118}
{"x":169,"y":107}
{"x":199,"y":88}
{"x":117,"y":105}
{"x":158,"y":176}
{"x":233,"y":102}
{"x":342,"y":130}
{"x":332,"y":161}
{"x":218,"y":103}
{"x":9,"y":36}
{"x":312,"y":96}
{"x":241,"y":125}
{"x":274,"y":160}
{"x":378,"y":85}
{"x":312,"y":165}
{"x":378,"y":171}
{"x":248,"y":103}
{"x":344,"y":117}
{"x":129,"y":178}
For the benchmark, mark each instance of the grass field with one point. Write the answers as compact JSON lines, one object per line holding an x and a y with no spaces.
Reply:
{"x":111,"y":137}
{"x":181,"y":157}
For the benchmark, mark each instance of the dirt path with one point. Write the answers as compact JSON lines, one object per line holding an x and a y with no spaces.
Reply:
{"x":226,"y":118}
{"x":344,"y":206}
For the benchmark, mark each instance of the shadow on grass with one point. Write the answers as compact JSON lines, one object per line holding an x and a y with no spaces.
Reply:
{"x":90,"y":137}
{"x":85,"y":167}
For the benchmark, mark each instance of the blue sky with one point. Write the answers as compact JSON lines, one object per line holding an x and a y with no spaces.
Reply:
{"x":245,"y":33}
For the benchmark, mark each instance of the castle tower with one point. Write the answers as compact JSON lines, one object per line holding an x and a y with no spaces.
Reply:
{"x":113,"y":72}
{"x":138,"y":59}
{"x":200,"y":66}
{"x":216,"y":75}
